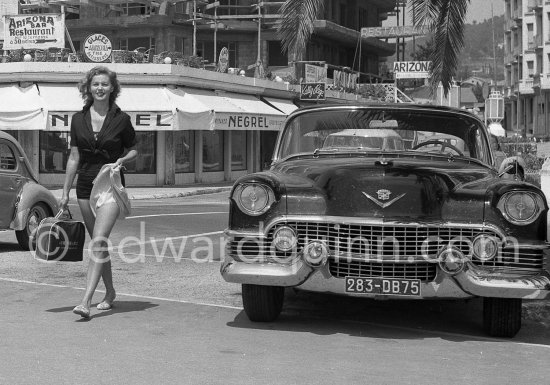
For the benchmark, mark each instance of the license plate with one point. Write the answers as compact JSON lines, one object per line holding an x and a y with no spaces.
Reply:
{"x":386,"y":286}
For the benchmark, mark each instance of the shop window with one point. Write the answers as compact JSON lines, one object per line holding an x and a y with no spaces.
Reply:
{"x":238,"y":150}
{"x":212,"y":151}
{"x":184,"y":146}
{"x":136,"y":9}
{"x":267,"y":146}
{"x":146,"y":161}
{"x":132,"y":43}
{"x":54,"y":151}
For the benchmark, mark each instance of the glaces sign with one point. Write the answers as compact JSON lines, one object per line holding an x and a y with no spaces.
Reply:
{"x":97,"y":47}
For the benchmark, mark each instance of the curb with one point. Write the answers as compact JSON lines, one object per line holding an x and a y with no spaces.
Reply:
{"x":178,"y":194}
{"x":166,"y":194}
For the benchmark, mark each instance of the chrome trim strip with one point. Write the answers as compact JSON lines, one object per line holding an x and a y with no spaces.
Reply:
{"x":380,"y":222}
{"x":483,"y":283}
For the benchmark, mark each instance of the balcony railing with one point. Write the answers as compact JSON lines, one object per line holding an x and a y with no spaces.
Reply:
{"x":526,"y":87}
{"x":541,"y":81}
{"x":139,"y":55}
{"x":534,"y":4}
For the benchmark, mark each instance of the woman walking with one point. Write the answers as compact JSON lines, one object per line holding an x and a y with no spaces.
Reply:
{"x":100,"y":134}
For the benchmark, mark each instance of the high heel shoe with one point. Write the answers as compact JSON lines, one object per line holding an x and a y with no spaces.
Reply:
{"x":82,"y":311}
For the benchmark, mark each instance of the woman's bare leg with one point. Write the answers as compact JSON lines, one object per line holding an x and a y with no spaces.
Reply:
{"x":106,"y":272}
{"x":100,"y":263}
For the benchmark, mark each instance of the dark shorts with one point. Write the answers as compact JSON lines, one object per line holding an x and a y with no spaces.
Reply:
{"x":85,"y":183}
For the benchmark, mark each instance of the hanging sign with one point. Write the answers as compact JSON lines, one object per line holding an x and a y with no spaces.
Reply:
{"x":395,"y":31}
{"x":98,"y":47}
{"x":412,"y":69}
{"x":312,"y":91}
{"x":315,"y":74}
{"x":41,"y":31}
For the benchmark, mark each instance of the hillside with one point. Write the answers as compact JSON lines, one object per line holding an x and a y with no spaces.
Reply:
{"x":477,"y":55}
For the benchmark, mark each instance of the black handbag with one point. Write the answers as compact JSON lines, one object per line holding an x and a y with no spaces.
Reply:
{"x":59,"y":239}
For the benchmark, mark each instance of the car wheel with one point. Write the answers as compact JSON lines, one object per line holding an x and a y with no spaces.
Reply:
{"x":37,"y":212}
{"x":262,"y":303}
{"x":502,"y":316}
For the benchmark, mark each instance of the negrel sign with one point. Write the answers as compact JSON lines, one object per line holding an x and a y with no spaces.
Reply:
{"x":97,"y":47}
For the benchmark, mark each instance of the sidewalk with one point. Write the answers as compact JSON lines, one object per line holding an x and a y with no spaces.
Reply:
{"x":158,"y":192}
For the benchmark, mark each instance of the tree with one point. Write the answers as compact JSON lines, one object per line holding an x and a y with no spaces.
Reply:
{"x":297,"y":25}
{"x":445,"y":18}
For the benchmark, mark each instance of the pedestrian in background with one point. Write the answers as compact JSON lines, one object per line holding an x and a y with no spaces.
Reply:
{"x":100,"y":134}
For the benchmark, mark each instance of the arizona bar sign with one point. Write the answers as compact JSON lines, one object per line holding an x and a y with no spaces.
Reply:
{"x":412,"y":69}
{"x":46,"y":30}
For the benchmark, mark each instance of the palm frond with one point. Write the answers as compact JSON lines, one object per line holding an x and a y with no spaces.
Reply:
{"x":446,"y":19}
{"x":297,"y":24}
{"x":423,"y":12}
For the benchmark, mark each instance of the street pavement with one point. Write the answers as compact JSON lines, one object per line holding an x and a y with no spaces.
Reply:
{"x":190,"y":338}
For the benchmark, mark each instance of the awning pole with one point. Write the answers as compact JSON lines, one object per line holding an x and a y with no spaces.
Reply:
{"x":259,"y":32}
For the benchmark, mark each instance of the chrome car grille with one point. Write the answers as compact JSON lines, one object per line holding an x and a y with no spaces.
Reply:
{"x":340,"y":268}
{"x":387,"y":250}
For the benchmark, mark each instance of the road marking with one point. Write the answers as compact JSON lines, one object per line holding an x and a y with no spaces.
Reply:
{"x":124,"y":294}
{"x":403,"y":328}
{"x":179,"y":214}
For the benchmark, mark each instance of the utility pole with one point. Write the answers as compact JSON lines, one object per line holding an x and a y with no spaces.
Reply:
{"x":494,"y":50}
{"x":194,"y":27}
{"x":397,"y":40}
{"x":403,"y":47}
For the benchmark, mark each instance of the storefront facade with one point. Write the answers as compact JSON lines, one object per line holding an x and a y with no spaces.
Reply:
{"x":193,"y":125}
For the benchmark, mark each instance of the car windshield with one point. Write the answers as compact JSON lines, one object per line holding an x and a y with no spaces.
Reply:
{"x":385,"y":130}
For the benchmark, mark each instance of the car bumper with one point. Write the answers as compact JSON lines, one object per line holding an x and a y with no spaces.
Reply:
{"x":470,"y":282}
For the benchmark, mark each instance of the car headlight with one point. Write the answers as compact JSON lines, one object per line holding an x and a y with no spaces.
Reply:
{"x":521,"y":207}
{"x":485,"y":247}
{"x":253,"y":198}
{"x":285,"y":238}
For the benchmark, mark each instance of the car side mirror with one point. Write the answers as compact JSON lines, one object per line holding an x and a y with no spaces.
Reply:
{"x":514,"y":167}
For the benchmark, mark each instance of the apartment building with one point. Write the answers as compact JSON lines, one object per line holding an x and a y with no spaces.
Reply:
{"x":527,"y":66}
{"x":144,"y":32}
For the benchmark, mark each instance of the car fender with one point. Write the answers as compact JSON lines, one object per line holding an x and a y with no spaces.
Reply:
{"x":30,"y":194}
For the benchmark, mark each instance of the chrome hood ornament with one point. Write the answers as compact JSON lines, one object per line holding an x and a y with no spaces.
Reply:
{"x":383,"y":195}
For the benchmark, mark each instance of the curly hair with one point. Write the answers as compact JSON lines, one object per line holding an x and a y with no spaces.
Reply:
{"x":84,"y":84}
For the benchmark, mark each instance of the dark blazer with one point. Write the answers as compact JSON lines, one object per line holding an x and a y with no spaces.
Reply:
{"x":116,"y":135}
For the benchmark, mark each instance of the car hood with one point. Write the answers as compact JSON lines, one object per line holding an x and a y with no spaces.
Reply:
{"x":387,"y":188}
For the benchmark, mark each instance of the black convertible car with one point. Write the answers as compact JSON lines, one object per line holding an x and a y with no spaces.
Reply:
{"x":389,"y":201}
